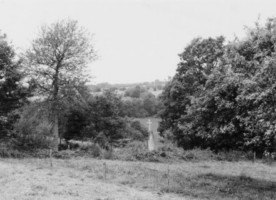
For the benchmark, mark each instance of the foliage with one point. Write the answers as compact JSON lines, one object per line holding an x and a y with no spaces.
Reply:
{"x":105,"y":117}
{"x":223,"y":96}
{"x":157,"y":84}
{"x":134,"y":108}
{"x":75,"y":123}
{"x":196,"y":64}
{"x":33,"y":129}
{"x":101,"y":120}
{"x":58,"y":56}
{"x":150,"y":104}
{"x":143,"y":106}
{"x":169,"y":152}
{"x":12,"y":92}
{"x":133,"y":130}
{"x":139,"y":127}
{"x":135,"y":92}
{"x":56,"y":63}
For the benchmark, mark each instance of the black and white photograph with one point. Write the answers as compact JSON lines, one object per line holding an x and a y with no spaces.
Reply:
{"x":137,"y":100}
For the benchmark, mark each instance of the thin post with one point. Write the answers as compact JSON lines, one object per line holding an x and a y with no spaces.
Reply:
{"x":51,"y":157}
{"x":168,"y":178}
{"x":104,"y":171}
{"x":149,"y":125}
{"x":254,"y":157}
{"x":150,"y":139}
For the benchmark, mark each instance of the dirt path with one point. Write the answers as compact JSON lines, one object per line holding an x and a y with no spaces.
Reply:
{"x":34,"y":180}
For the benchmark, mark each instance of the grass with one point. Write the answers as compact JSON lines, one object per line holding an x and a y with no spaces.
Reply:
{"x":88,"y":179}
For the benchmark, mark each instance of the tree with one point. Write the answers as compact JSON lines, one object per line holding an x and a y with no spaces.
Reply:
{"x":135,"y":92}
{"x":223,"y":96}
{"x":150,"y":103}
{"x":12,"y":92}
{"x":106,"y":115}
{"x":197,"y":62}
{"x":56,"y":62}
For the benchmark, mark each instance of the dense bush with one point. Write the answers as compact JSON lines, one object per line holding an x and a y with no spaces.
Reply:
{"x":134,"y":108}
{"x":100,"y":120}
{"x":7,"y":150}
{"x":103,"y":121}
{"x":138,"y":132}
{"x":75,"y":122}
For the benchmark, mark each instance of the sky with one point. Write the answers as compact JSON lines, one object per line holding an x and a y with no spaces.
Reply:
{"x":135,"y":40}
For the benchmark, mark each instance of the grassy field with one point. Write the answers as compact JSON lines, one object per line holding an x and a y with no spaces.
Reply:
{"x":83,"y":179}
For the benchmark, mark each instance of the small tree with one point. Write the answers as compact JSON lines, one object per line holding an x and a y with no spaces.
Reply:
{"x":56,"y":62}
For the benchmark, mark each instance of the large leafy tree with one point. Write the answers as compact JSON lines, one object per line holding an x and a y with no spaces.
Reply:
{"x":12,"y":92}
{"x":56,"y":62}
{"x":197,"y":62}
{"x":231,"y":105}
{"x":258,"y":57}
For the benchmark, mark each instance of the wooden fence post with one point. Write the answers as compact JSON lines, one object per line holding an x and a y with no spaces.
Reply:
{"x":168,"y":177}
{"x":105,"y":171}
{"x":254,"y":158}
{"x":51,"y":157}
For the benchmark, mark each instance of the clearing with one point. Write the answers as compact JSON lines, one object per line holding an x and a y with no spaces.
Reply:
{"x":83,"y":179}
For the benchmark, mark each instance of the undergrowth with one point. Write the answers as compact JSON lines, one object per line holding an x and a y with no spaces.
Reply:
{"x":133,"y":151}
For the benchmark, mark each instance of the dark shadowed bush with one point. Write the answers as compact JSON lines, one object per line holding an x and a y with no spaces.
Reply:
{"x":10,"y":153}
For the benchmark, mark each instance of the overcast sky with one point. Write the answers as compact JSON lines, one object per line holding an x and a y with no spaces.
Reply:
{"x":136,"y":40}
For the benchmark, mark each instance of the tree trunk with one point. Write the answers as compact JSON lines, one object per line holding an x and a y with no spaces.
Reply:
{"x":55,"y":132}
{"x":55,"y":109}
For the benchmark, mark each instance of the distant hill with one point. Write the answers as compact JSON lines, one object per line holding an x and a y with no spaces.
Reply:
{"x":155,"y":87}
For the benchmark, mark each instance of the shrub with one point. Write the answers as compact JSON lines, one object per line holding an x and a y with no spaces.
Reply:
{"x":138,"y":150}
{"x":10,"y":153}
{"x":93,"y":150}
{"x":234,"y":155}
{"x":74,"y":145}
{"x":139,"y":127}
{"x":7,"y":150}
{"x":153,"y":156}
{"x":33,"y":129}
{"x":62,"y":146}
{"x":134,"y":134}
{"x":107,"y":154}
{"x":130,"y":151}
{"x":134,"y":130}
{"x":64,"y":154}
{"x":168,"y":152}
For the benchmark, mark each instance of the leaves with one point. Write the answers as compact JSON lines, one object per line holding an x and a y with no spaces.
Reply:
{"x":12,"y":92}
{"x":224,"y":95}
{"x":58,"y":57}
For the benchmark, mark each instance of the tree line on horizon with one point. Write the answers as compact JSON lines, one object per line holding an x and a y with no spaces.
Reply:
{"x":154,"y":86}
